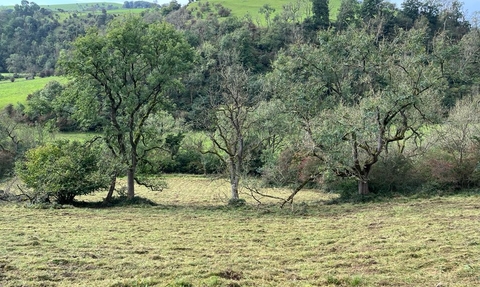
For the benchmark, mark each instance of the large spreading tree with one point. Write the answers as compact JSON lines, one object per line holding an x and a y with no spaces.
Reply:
{"x":355,"y":95}
{"x":128,"y":71}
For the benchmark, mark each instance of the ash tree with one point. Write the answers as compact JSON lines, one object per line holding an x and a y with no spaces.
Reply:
{"x":228,"y":112}
{"x":356,"y":97}
{"x":128,"y":71}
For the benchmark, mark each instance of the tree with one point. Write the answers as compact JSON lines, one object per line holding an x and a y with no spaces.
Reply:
{"x":321,"y":13}
{"x":370,"y":8}
{"x":132,"y":68}
{"x":62,"y":170}
{"x":455,"y":155}
{"x":355,"y":96}
{"x":230,"y":119}
{"x":268,"y":11}
{"x":348,"y":14}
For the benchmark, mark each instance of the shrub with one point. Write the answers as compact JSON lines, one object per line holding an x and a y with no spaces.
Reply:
{"x":62,"y":170}
{"x":7,"y":160}
{"x":187,"y":160}
{"x":454,"y":160}
{"x":442,"y":170}
{"x":293,"y":166}
{"x":395,"y":173}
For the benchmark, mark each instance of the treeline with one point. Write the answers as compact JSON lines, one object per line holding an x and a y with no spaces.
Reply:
{"x":383,"y":100}
{"x":139,"y":4}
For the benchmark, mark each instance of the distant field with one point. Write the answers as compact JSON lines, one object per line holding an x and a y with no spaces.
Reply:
{"x":252,"y":7}
{"x":191,"y":239}
{"x":17,"y":92}
{"x":83,"y":6}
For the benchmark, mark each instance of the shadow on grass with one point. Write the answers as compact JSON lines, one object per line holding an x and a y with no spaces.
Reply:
{"x":406,"y":195}
{"x":120,"y":201}
{"x":272,"y":209}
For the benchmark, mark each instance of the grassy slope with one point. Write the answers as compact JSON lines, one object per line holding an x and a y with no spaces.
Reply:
{"x":191,"y":239}
{"x":17,"y":92}
{"x":251,"y":7}
{"x":82,"y":6}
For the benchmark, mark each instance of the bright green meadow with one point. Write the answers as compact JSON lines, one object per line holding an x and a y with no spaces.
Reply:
{"x":17,"y":92}
{"x":190,"y":238}
{"x":252,"y":7}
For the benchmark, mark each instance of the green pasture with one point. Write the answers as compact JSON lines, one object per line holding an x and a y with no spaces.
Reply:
{"x":190,"y":238}
{"x":251,"y":7}
{"x":83,"y":6}
{"x":17,"y":92}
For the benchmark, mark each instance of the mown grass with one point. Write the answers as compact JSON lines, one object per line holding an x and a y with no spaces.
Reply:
{"x":192,"y":239}
{"x":17,"y":92}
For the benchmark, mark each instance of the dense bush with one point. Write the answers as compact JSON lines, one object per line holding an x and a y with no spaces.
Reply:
{"x":62,"y":170}
{"x":441,"y":170}
{"x":292,"y":167}
{"x":7,"y":160}
{"x":395,"y":173}
{"x":187,"y":160}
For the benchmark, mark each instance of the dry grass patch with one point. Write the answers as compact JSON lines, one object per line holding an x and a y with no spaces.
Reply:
{"x":192,"y":239}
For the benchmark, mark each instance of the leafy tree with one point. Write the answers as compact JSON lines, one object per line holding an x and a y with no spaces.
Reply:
{"x":133,"y":66}
{"x":321,"y":13}
{"x":268,"y":11}
{"x":355,"y":97}
{"x":370,"y":8}
{"x":62,"y":170}
{"x":348,"y":14}
{"x":48,"y":107}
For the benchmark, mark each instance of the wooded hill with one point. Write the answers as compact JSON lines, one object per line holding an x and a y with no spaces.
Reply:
{"x":378,"y":100}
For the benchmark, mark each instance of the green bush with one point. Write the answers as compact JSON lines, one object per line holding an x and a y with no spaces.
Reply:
{"x":187,"y":160}
{"x":62,"y":170}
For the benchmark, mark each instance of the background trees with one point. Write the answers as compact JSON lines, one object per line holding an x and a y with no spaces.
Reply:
{"x":132,"y":67}
{"x":353,"y":95}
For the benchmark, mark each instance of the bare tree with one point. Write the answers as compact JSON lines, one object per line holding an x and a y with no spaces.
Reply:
{"x":231,"y":120}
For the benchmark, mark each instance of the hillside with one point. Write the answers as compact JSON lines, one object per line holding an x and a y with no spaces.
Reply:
{"x":241,"y":8}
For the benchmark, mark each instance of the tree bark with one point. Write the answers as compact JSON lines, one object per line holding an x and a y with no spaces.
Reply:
{"x":234,"y":180}
{"x":131,"y":183}
{"x":111,"y":189}
{"x":363,"y":187}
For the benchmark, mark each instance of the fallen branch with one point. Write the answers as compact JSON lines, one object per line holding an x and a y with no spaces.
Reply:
{"x":290,"y":198}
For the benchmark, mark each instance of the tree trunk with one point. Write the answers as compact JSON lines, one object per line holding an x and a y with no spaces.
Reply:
{"x":131,"y":183}
{"x":111,"y":189}
{"x":234,"y":179}
{"x":234,"y":182}
{"x":363,"y":187}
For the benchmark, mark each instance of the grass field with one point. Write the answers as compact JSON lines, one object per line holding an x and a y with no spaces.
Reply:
{"x":251,"y":7}
{"x":83,"y":6}
{"x":191,"y":239}
{"x":17,"y":92}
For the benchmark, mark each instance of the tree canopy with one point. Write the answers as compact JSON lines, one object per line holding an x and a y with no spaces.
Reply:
{"x":131,"y":68}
